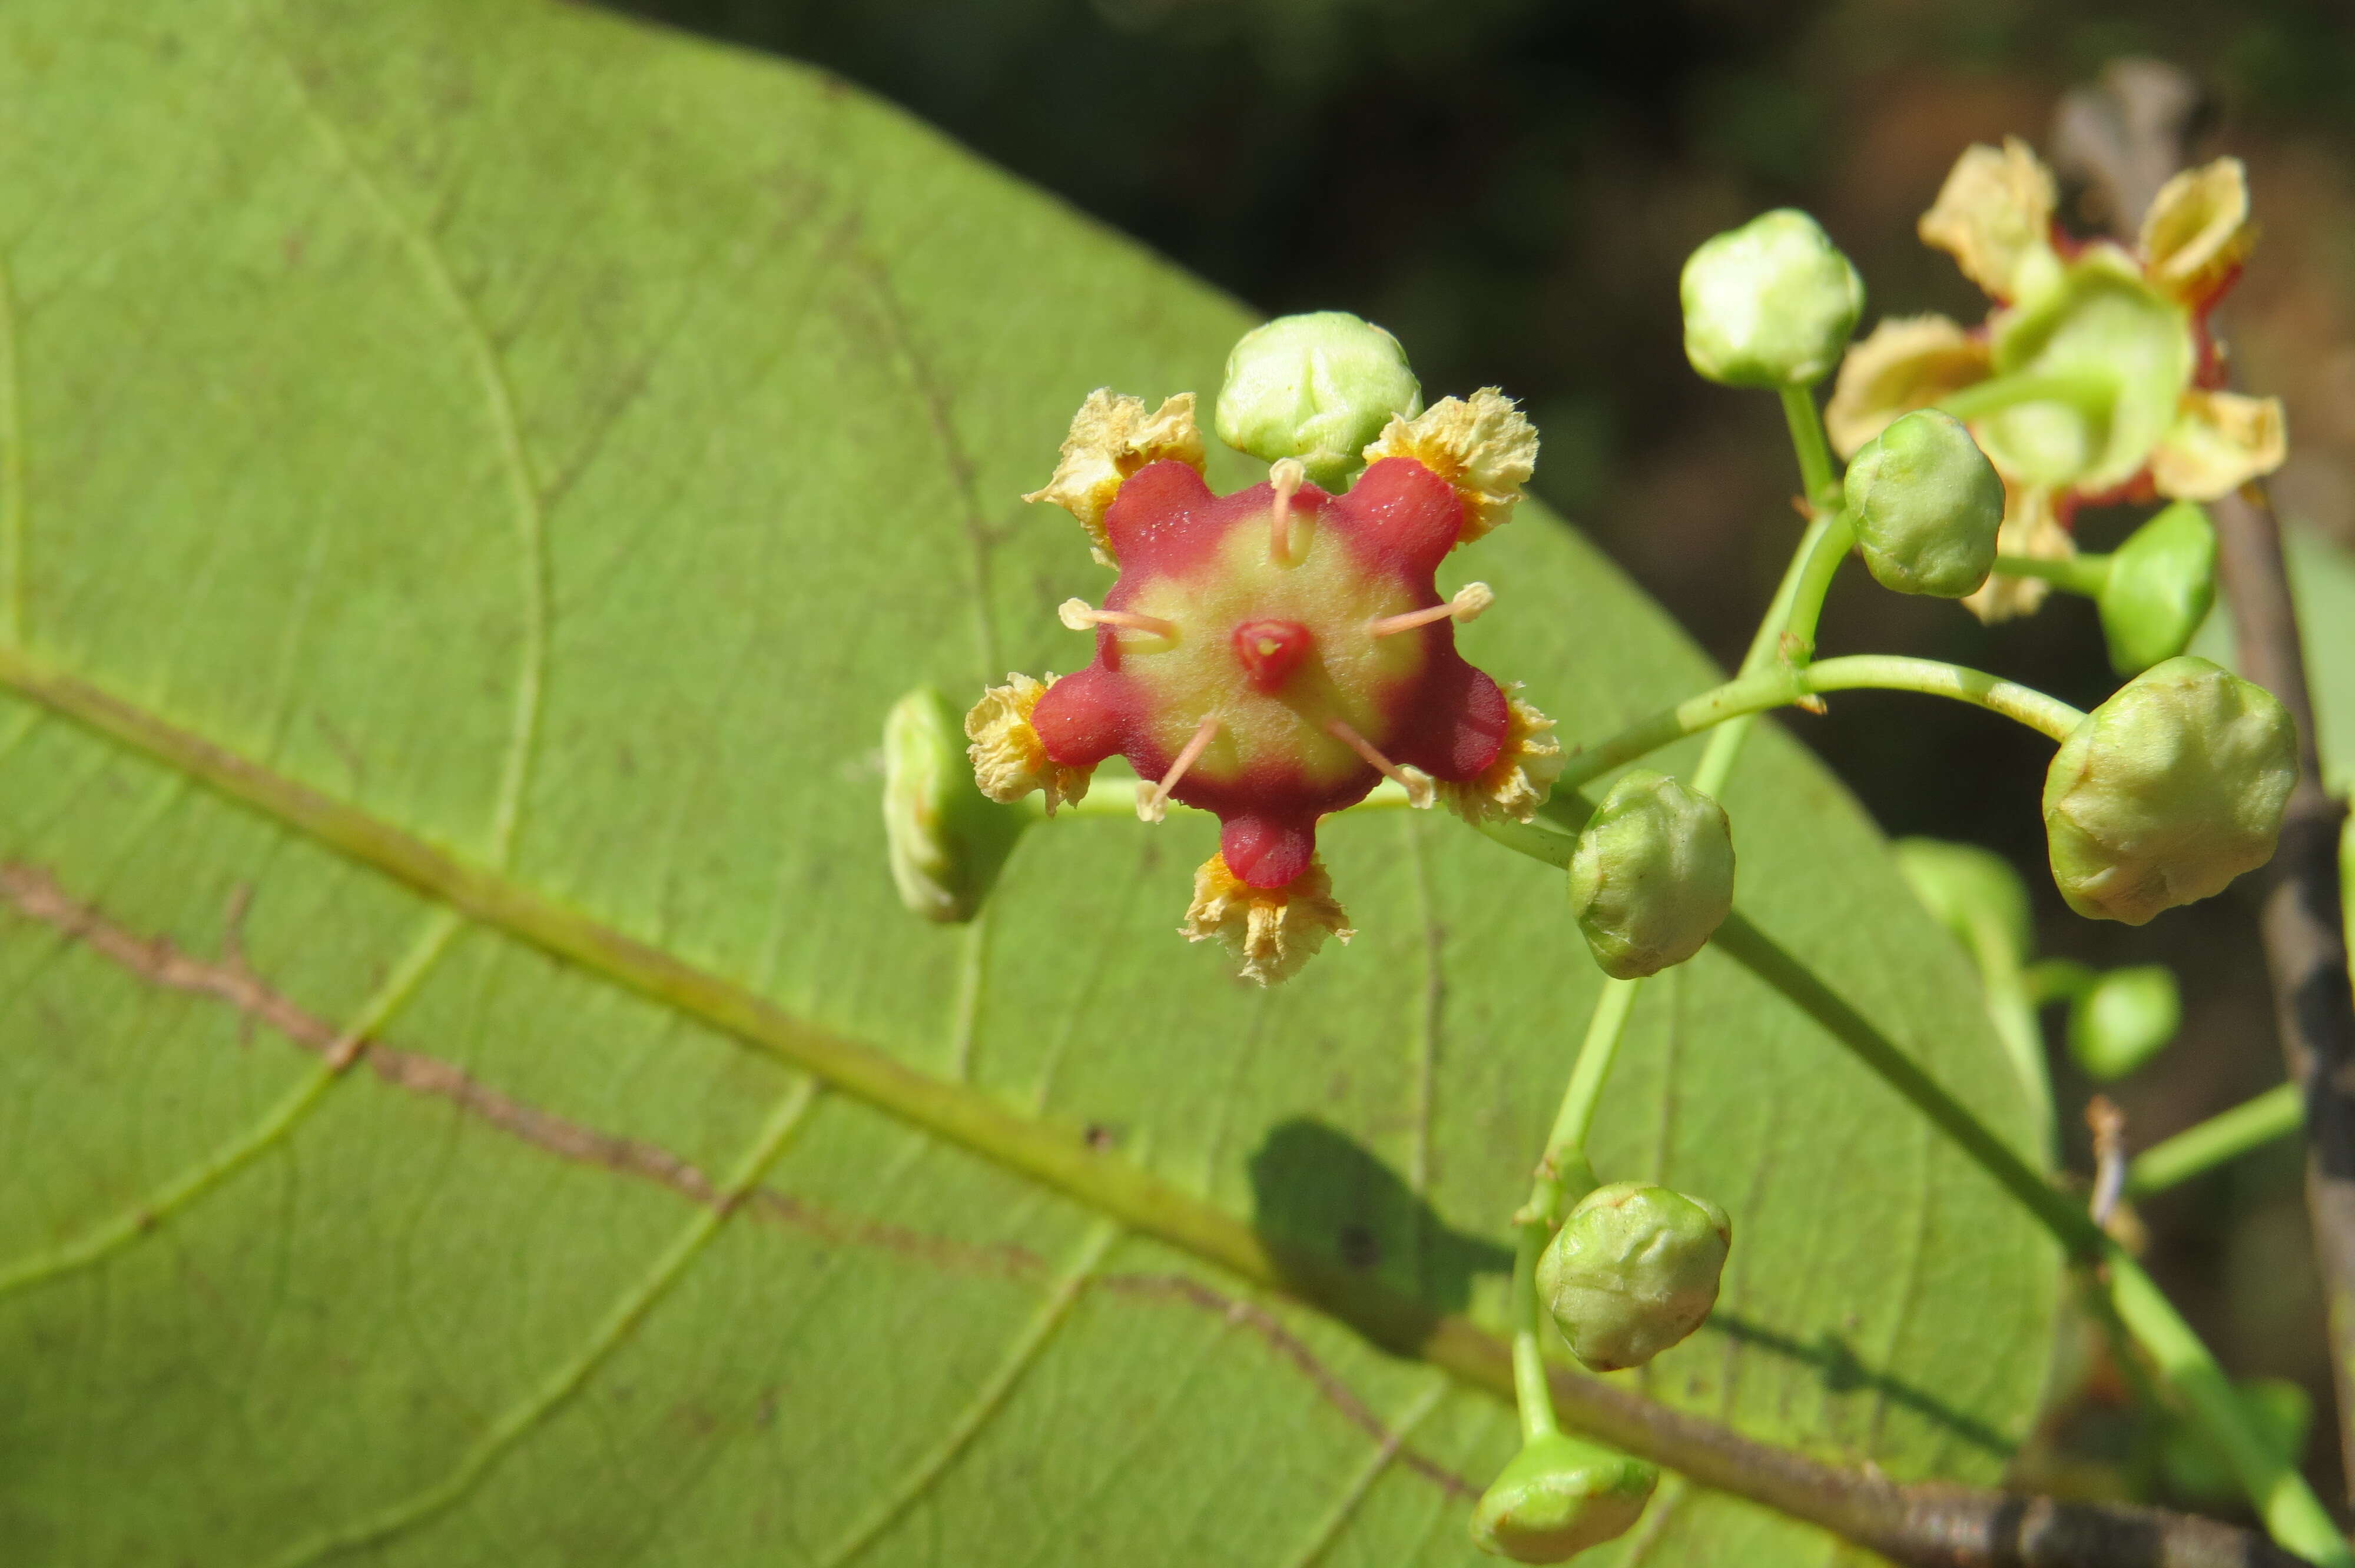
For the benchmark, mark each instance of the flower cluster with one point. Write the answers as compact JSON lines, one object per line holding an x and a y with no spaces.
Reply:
{"x":1272,"y":655}
{"x":2094,"y":377}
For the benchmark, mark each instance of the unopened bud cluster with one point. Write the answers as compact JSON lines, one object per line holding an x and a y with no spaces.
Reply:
{"x":1633,"y":1270}
{"x":1652,"y":877}
{"x":1769,"y":305}
{"x":1925,"y":503}
{"x":2168,"y":791}
{"x":1560,"y":1496}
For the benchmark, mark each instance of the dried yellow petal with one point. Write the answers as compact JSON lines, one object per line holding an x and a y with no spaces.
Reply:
{"x":1482,"y":446}
{"x":1518,"y":782}
{"x":1994,"y":215}
{"x":2197,"y":231}
{"x":1273,"y":931}
{"x":1008,"y":758}
{"x":1908,"y":363}
{"x":2219,"y":442}
{"x":1111,"y":437}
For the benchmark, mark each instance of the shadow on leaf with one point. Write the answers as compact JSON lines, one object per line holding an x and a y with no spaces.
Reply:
{"x":1842,"y":1373}
{"x":1337,"y":1218}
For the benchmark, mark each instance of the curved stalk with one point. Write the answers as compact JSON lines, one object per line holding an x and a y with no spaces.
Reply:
{"x":1779,"y":687}
{"x":2086,"y":574}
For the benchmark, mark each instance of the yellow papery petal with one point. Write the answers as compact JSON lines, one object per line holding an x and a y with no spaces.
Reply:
{"x":1481,"y":445}
{"x":2219,"y":442}
{"x":1008,"y":758}
{"x":2197,"y":231}
{"x":1908,"y":363}
{"x":1111,"y":437}
{"x":1272,"y":931}
{"x":2031,"y":526}
{"x":1994,"y":214}
{"x":1518,"y":782}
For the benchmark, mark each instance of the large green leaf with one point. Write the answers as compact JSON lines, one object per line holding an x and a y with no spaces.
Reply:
{"x":558,"y":442}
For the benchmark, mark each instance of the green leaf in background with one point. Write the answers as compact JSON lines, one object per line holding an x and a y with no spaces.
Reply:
{"x":561,"y":442}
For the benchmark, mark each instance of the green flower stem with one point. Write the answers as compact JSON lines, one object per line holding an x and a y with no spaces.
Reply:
{"x":1777,"y":687}
{"x":2251,"y":1125}
{"x":1531,"y":1392}
{"x":2086,"y":574}
{"x":1814,"y":450}
{"x":1826,"y":548}
{"x":2292,"y":1513}
{"x":1798,"y":598}
{"x":1565,"y":1165}
{"x":2088,"y":393}
{"x":2294,"y":1516}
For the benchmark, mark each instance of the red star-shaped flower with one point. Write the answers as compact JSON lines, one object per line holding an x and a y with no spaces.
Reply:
{"x":1269,"y":656}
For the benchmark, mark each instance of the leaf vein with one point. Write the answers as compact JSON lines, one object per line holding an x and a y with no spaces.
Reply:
{"x":1029,"y":1345}
{"x":630,"y":1310}
{"x":514,"y":459}
{"x":35,"y":894}
{"x":13,"y":526}
{"x":1336,"y":1518}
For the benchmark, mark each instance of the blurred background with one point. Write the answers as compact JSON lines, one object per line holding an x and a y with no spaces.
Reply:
{"x":1511,"y":187}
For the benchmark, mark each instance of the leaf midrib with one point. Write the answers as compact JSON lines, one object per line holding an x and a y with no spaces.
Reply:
{"x":1057,"y":1157}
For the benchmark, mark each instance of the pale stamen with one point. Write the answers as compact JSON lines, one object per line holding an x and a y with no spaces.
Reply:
{"x":1417,"y":784}
{"x":1469,"y":601}
{"x":1077,"y":614}
{"x":1287,"y":475}
{"x":1153,"y":804}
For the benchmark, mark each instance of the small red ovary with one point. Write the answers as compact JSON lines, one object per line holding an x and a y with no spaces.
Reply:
{"x":1270,"y":651}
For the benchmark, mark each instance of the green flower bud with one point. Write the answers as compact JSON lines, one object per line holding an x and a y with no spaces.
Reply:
{"x":1319,"y":387}
{"x":1973,"y":892}
{"x":1652,"y":877}
{"x":1560,"y":1496}
{"x":2161,"y":582}
{"x":2168,"y":791}
{"x":1633,"y":1270}
{"x":2123,"y":1019}
{"x":1769,"y":305}
{"x":947,"y":839}
{"x":1927,"y":504}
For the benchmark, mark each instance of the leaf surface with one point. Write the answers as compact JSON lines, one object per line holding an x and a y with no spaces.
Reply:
{"x":560,"y":441}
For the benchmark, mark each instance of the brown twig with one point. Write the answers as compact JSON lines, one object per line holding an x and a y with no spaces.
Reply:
{"x":2123,"y":136}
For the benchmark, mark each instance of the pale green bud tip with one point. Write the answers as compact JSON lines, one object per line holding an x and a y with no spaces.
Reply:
{"x":1927,"y":504}
{"x":2168,"y":791}
{"x":1769,"y":305}
{"x":1652,"y":877}
{"x":1319,"y":387}
{"x":1972,"y":891}
{"x":2162,"y":582}
{"x":947,"y":841}
{"x":1633,"y":1270}
{"x":1560,"y":1496}
{"x":2123,"y":1019}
